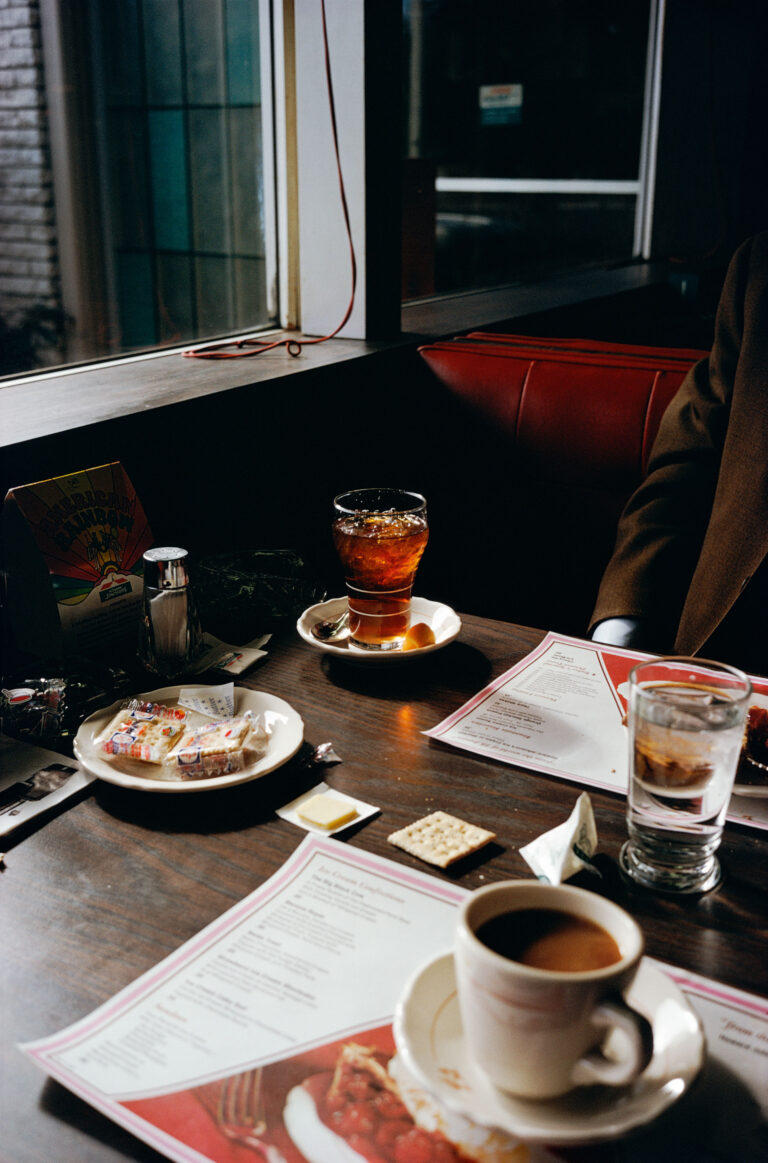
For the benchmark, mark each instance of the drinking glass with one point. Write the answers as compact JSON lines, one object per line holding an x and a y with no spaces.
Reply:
{"x":686,"y":726}
{"x":380,"y":536}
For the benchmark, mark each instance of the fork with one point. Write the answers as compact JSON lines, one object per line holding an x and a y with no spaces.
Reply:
{"x":240,"y":1114}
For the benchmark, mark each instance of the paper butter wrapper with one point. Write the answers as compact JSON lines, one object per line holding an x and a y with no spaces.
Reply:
{"x":567,"y":849}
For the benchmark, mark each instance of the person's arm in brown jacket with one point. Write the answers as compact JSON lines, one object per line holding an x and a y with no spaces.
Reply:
{"x":662,"y":527}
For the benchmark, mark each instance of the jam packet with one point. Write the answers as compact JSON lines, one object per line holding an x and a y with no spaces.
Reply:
{"x":142,"y":730}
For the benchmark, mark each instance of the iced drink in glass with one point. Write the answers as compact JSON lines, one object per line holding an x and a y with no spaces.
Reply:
{"x":380,"y":536}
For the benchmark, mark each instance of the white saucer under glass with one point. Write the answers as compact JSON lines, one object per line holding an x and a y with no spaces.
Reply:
{"x":444,"y":622}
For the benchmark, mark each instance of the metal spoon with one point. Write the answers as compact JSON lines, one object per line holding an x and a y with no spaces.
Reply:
{"x":336,"y":628}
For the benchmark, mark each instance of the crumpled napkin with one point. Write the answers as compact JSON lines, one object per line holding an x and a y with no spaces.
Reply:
{"x":567,"y":849}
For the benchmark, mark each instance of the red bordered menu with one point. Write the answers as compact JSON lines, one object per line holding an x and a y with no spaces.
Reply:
{"x":301,"y":979}
{"x":311,"y":962}
{"x":560,"y":710}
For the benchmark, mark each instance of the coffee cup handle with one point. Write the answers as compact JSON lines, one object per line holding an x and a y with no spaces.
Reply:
{"x":596,"y":1067}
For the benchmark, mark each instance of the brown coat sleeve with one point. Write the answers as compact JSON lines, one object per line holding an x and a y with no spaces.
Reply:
{"x":661,"y":530}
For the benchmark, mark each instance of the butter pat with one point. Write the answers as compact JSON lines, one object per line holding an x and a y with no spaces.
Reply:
{"x":347,"y":810}
{"x":326,"y":811}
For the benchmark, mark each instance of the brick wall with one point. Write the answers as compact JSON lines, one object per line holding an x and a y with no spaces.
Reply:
{"x":28,"y":266}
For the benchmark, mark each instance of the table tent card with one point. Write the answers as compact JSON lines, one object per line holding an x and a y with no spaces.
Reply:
{"x":73,"y":548}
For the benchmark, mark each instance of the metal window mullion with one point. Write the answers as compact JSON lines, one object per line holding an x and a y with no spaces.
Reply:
{"x":535,"y":186}
{"x":279,"y":151}
{"x":185,"y":110}
{"x":228,"y":180}
{"x":102,"y":112}
{"x":650,"y":131}
{"x":268,"y":163}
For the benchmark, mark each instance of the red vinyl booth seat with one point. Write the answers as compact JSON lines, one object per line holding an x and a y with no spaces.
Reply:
{"x":575,"y":410}
{"x":573,"y":422}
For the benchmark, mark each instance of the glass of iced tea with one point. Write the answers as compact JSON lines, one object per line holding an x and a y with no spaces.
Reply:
{"x":379,"y":535}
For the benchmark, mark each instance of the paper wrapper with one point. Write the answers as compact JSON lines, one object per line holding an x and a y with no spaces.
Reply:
{"x":567,"y":849}
{"x":219,"y":748}
{"x":142,"y":730}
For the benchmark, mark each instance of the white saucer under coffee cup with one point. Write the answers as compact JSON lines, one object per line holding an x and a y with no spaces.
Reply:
{"x":537,"y":1032}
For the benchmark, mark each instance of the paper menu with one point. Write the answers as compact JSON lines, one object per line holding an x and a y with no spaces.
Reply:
{"x":736,"y":1026}
{"x":317,"y":953}
{"x":313,"y":960}
{"x":725,"y":1115}
{"x":559,"y":711}
{"x":297,"y":948}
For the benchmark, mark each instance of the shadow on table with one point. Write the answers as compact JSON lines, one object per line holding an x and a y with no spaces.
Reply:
{"x":717,"y":1121}
{"x":61,"y":1104}
{"x":458,"y":668}
{"x":229,"y":809}
{"x":725,"y":909}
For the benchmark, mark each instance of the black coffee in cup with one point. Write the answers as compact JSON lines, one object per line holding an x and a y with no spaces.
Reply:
{"x":541,"y":974}
{"x":549,"y":939}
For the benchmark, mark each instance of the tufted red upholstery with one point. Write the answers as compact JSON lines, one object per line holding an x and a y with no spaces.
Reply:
{"x":561,"y":431}
{"x":576,"y":410}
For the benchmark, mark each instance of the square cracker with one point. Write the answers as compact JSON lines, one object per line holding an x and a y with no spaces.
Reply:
{"x":441,"y":839}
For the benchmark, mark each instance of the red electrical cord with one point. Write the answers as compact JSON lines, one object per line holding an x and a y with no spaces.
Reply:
{"x":294,"y":346}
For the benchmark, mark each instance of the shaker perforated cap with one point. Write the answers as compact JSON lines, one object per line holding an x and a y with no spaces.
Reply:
{"x":166,"y":568}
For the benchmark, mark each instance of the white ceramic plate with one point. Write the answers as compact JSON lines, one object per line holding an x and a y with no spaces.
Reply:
{"x":430,"y":1038}
{"x":444,"y":622}
{"x":287,"y":735}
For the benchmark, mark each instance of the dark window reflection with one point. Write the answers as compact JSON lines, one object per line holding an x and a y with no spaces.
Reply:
{"x":519,"y":90}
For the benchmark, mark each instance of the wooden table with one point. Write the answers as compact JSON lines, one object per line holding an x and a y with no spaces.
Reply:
{"x":102,"y":892}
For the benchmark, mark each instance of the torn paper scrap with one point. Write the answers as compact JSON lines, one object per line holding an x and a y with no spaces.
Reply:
{"x":563,"y":851}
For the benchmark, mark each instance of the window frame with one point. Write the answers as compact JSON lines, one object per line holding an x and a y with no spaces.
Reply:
{"x":36,"y":404}
{"x":82,"y":272}
{"x":81,"y":205}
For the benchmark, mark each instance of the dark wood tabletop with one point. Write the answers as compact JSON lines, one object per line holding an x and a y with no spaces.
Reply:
{"x":104,"y":890}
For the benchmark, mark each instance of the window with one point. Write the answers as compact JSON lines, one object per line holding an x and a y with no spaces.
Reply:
{"x":526,"y":138}
{"x":134,"y":202}
{"x":138,"y":174}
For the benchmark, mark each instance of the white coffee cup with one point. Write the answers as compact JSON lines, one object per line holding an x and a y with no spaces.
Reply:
{"x":537,"y":1032}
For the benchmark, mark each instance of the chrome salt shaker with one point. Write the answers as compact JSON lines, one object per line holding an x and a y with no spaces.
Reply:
{"x":169,"y":635}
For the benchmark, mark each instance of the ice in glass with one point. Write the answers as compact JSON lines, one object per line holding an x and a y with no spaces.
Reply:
{"x":380,"y":536}
{"x":686,"y":725}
